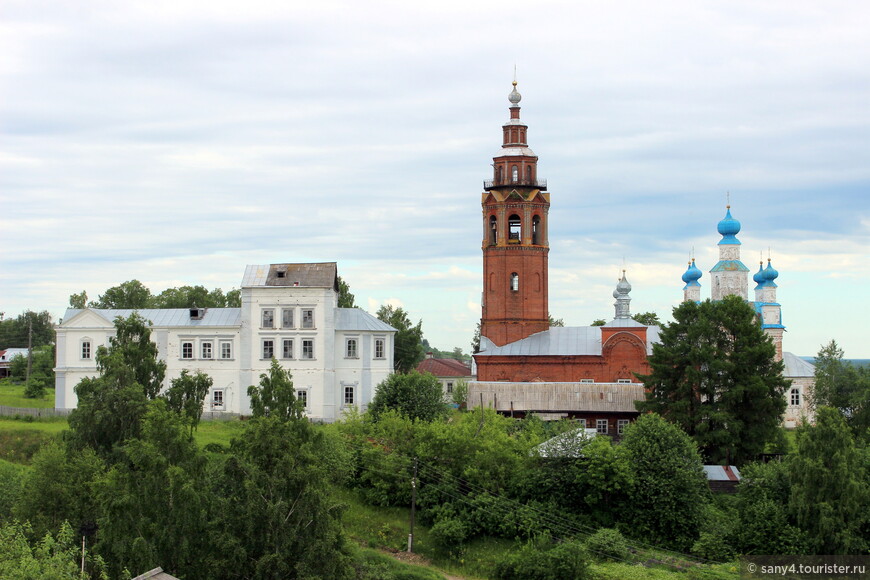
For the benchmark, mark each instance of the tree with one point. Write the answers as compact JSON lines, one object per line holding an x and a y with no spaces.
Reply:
{"x":475,"y":339}
{"x":414,"y":395}
{"x":598,"y":322}
{"x":667,"y":500}
{"x":53,"y":556}
{"x":131,"y":294}
{"x":648,"y":318}
{"x":111,"y":406}
{"x":275,"y":397}
{"x":188,"y":297}
{"x":460,"y":393}
{"x":234,"y":298}
{"x":186,"y":394}
{"x":714,"y":373}
{"x":830,"y":496}
{"x":79,"y":300}
{"x":41,"y":371}
{"x":345,"y":298}
{"x":408,"y":347}
{"x":843,"y":386}
{"x":555,"y":321}
{"x":27,"y":329}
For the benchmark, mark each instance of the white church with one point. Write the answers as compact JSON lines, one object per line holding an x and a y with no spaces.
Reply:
{"x":337,"y":356}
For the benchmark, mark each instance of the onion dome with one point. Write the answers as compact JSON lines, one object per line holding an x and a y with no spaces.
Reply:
{"x":515,"y":96}
{"x":758,"y":278}
{"x":770,"y":274}
{"x":692,"y":274}
{"x":622,"y":298}
{"x":729,"y":228}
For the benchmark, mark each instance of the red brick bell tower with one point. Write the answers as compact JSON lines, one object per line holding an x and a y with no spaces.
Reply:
{"x":515,"y":208}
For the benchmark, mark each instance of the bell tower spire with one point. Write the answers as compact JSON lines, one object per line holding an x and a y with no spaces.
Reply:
{"x":515,"y":248}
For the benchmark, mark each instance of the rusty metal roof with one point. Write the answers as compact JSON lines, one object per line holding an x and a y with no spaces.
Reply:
{"x":318,"y":275}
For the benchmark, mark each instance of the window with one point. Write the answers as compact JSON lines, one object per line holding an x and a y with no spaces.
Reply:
{"x":206,"y":348}
{"x":348,"y":396}
{"x":287,"y":348}
{"x":515,"y":174}
{"x":351,"y":351}
{"x":226,"y":350}
{"x":796,"y":397}
{"x":449,"y":388}
{"x":621,"y":425}
{"x":308,"y":348}
{"x":536,"y":230}
{"x":493,"y":231}
{"x":287,"y":318}
{"x":623,"y":381}
{"x":587,"y":381}
{"x":302,"y":396}
{"x":217,"y":399}
{"x":268,"y":349}
{"x":515,"y":227}
{"x":515,"y":282}
{"x":601,"y":426}
{"x":268,"y":319}
{"x":86,"y":349}
{"x":582,"y":423}
{"x":187,"y":349}
{"x":379,"y":348}
{"x":307,"y":318}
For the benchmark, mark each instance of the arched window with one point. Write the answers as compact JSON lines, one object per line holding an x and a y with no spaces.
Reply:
{"x":796,"y":397}
{"x":515,"y":282}
{"x":514,"y":228}
{"x":529,"y":174}
{"x":515,"y":173}
{"x":536,"y":230}
{"x":493,"y":231}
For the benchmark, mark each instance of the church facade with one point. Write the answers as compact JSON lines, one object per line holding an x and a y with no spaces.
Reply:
{"x":337,"y":356}
{"x":584,"y":373}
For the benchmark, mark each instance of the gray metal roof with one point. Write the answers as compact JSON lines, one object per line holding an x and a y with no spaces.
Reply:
{"x":719,"y":473}
{"x":515,"y":152}
{"x":170,"y":317}
{"x":624,"y":323}
{"x":358,"y":319}
{"x":558,"y":341}
{"x":318,"y":275}
{"x":795,"y":366}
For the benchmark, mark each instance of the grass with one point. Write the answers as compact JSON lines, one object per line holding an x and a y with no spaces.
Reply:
{"x":12,"y":395}
{"x":217,"y":432}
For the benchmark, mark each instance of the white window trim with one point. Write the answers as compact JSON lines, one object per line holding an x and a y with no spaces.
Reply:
{"x":307,"y":391}
{"x":192,"y":344}
{"x":383,"y":342}
{"x":621,"y":425}
{"x":313,"y":319}
{"x":292,"y":312}
{"x":86,"y":340}
{"x":302,"y":352}
{"x":263,"y":342}
{"x":598,"y":424}
{"x":202,"y":345}
{"x":223,"y":405}
{"x":356,"y":346}
{"x":263,"y":313}
{"x":221,"y":346}
{"x":344,"y":390}
{"x":292,"y":349}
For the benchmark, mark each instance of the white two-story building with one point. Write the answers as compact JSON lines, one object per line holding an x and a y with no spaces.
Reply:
{"x":337,"y":356}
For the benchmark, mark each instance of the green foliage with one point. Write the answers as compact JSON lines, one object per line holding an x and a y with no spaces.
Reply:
{"x":408,"y":347}
{"x":670,"y":488}
{"x":234,"y":298}
{"x":11,"y":488}
{"x":275,"y":397}
{"x":186,"y":394}
{"x":154,"y":501}
{"x":415,"y":395}
{"x":475,"y":339}
{"x":717,"y":530}
{"x":764,"y":525}
{"x":541,"y":559}
{"x":607,"y":544}
{"x":843,"y":386}
{"x":555,"y":321}
{"x":16,"y":332}
{"x":648,"y":318}
{"x":598,"y":322}
{"x":12,"y":395}
{"x":79,"y":300}
{"x":52,"y":557}
{"x":130,"y":294}
{"x":274,"y":517}
{"x":58,"y":488}
{"x":111,"y":407}
{"x":460,"y":393}
{"x":830,"y":496}
{"x":715,"y":374}
{"x":345,"y":298}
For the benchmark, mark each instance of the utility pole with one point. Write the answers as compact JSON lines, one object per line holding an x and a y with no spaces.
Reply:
{"x":413,"y":507}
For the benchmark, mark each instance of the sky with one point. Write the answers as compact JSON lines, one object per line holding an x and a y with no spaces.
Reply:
{"x":176,"y":142}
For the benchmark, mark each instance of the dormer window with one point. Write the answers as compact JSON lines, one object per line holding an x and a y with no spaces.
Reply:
{"x":197,"y":313}
{"x":281,"y":274}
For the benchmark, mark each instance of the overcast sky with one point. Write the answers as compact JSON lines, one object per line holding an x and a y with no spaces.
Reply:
{"x":175,"y":142}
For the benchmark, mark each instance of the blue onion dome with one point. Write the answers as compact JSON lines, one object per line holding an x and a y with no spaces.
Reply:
{"x":515,"y":96}
{"x":770,"y":274}
{"x":758,"y":278}
{"x":692,"y":274}
{"x":728,"y":228}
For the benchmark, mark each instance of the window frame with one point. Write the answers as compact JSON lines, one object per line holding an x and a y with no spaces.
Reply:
{"x":229,"y":345}
{"x":795,"y":394}
{"x":602,"y":422}
{"x":86,"y":351}
{"x":307,"y":353}
{"x":215,"y":395}
{"x":621,"y":425}
{"x":380,"y":344}
{"x":349,"y":390}
{"x":351,"y":347}
{"x":284,"y":349}
{"x":302,"y":395}
{"x":270,"y":313}
{"x":271,"y":346}
{"x":284,"y":316}
{"x":202,"y":350}
{"x":186,"y":350}
{"x":307,"y":318}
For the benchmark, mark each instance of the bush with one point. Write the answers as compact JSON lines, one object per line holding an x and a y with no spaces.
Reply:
{"x":449,"y":533}
{"x":35,"y":388}
{"x":540,"y":559}
{"x":607,"y":544}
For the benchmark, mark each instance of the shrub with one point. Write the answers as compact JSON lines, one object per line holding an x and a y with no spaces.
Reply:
{"x":449,"y":533}
{"x":607,"y":544}
{"x":540,"y":559}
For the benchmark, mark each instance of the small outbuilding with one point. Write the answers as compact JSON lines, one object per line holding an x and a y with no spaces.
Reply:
{"x":722,"y":478}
